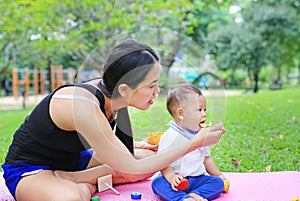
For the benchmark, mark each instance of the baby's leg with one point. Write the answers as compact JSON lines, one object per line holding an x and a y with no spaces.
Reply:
{"x":163,"y":189}
{"x":208,"y":187}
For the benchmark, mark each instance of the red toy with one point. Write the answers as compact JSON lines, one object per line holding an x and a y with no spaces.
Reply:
{"x":183,"y":185}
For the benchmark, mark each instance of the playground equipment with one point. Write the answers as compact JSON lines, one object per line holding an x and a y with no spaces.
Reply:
{"x":24,"y":79}
{"x":60,"y":76}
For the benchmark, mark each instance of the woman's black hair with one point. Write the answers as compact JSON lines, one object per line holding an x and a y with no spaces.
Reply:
{"x":128,"y":63}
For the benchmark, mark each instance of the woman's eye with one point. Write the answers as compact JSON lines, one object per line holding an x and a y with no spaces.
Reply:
{"x":152,"y":86}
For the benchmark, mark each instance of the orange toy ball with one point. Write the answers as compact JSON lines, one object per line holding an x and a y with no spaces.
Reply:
{"x":226,"y":186}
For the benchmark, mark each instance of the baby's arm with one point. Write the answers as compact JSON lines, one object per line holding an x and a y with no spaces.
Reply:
{"x":171,"y":177}
{"x":212,"y":168}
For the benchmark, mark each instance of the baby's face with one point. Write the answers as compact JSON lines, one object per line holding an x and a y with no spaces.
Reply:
{"x":194,"y":112}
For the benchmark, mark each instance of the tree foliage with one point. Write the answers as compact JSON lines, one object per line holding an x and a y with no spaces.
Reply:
{"x":266,"y":36}
{"x":36,"y":32}
{"x":81,"y":33}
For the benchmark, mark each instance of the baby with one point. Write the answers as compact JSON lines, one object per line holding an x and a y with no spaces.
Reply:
{"x":187,"y":106}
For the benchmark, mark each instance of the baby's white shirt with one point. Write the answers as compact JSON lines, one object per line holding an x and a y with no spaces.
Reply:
{"x":190,"y":164}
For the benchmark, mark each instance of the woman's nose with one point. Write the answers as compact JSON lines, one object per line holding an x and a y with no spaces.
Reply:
{"x":157,"y":90}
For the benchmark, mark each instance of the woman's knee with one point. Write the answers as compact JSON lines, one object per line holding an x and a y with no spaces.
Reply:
{"x":31,"y":188}
{"x":86,"y":190}
{"x":76,"y":192}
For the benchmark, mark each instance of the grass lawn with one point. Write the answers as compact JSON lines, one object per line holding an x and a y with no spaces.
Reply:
{"x":262,"y":129}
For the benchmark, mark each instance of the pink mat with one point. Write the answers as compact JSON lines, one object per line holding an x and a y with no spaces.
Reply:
{"x":267,"y":186}
{"x":4,"y":193}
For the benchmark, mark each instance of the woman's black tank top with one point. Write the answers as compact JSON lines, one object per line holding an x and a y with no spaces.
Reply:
{"x":39,"y":141}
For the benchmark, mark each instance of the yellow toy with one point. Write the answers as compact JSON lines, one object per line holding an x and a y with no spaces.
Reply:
{"x":154,"y":137}
{"x":296,"y":199}
{"x":226,"y":186}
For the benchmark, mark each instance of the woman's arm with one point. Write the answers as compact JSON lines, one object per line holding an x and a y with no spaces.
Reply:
{"x":113,"y":153}
{"x":92,"y":124}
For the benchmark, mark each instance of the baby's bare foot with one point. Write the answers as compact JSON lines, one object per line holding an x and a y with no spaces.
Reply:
{"x":189,"y":199}
{"x":197,"y":197}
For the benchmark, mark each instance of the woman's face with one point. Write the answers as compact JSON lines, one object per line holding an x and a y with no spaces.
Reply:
{"x":143,"y":96}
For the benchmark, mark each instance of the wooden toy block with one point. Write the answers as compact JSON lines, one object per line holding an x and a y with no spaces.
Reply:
{"x":105,"y":183}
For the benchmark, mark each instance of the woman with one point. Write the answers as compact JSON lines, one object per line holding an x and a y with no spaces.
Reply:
{"x":49,"y":157}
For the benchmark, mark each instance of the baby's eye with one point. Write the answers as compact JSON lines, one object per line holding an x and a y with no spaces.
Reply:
{"x":200,"y":110}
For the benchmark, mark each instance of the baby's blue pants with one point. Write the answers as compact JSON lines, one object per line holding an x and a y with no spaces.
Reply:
{"x":208,"y":187}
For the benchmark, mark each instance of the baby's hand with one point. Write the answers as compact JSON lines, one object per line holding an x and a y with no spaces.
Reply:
{"x":175,"y":181}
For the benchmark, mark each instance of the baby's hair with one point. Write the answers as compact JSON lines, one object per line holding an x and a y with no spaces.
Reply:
{"x":178,"y":95}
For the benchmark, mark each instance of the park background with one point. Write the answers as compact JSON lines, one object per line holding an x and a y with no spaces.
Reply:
{"x":247,"y":47}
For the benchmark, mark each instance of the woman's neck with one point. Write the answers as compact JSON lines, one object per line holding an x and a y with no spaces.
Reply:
{"x":111,"y":104}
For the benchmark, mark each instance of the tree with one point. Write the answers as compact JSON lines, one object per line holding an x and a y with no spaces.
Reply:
{"x":276,"y":22}
{"x":76,"y":30}
{"x":234,"y":47}
{"x":265,"y":37}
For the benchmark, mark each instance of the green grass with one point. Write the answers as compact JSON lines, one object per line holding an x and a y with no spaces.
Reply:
{"x":10,"y":120}
{"x":262,"y":129}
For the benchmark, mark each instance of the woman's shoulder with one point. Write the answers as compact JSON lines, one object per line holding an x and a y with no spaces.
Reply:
{"x":78,"y":89}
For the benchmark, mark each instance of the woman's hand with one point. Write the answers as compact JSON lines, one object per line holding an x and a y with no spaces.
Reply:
{"x":209,"y":136}
{"x":145,"y":145}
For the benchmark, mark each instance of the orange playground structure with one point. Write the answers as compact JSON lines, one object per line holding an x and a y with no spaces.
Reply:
{"x":25,"y":79}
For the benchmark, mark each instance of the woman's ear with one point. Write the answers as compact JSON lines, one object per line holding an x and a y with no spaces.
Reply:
{"x":180,"y":113}
{"x":123,"y":90}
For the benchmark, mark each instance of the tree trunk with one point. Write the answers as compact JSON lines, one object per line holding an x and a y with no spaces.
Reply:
{"x":232,"y":77}
{"x":255,"y":77}
{"x":299,"y":73}
{"x":49,"y":72}
{"x":279,"y":73}
{"x":176,"y":44}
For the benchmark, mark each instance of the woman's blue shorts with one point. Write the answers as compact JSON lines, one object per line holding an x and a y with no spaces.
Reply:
{"x":14,"y":172}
